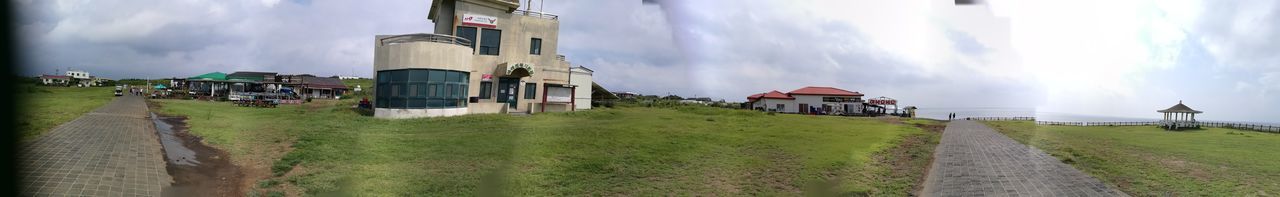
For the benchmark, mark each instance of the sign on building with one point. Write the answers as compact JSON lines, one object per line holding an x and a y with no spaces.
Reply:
{"x":479,"y":20}
{"x":559,"y":94}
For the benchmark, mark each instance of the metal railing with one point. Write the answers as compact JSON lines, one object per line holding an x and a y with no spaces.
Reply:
{"x":536,"y":14}
{"x":560,"y":57}
{"x":437,"y":38}
{"x":999,"y":118}
{"x":1232,"y":125}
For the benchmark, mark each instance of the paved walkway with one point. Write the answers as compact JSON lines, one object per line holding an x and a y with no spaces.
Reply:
{"x":112,"y":151}
{"x":974,"y":160}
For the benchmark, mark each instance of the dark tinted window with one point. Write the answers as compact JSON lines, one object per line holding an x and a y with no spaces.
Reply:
{"x":486,"y":89}
{"x":535,"y":46}
{"x":469,"y":33}
{"x":490,"y":41}
{"x":530,"y":90}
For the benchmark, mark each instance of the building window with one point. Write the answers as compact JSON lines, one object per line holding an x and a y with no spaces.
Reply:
{"x":535,"y":46}
{"x":420,"y":89}
{"x":780,"y":107}
{"x":490,"y":41}
{"x":469,"y":33}
{"x":486,"y":90}
{"x":530,"y":90}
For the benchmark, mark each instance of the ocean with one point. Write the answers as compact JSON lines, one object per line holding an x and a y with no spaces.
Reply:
{"x":941,"y":114}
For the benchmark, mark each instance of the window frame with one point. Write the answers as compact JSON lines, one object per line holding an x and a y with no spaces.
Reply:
{"x":535,"y":46}
{"x":418,"y":89}
{"x":486,"y":90}
{"x":531,"y":90}
{"x":485,"y":48}
{"x":474,"y":34}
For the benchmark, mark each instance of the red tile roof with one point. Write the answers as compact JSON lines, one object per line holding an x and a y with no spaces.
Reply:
{"x":53,"y":76}
{"x":829,"y":91}
{"x":776,"y":95}
{"x":754,"y":97}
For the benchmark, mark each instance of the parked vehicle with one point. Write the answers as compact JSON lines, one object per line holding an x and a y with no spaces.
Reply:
{"x":119,"y":90}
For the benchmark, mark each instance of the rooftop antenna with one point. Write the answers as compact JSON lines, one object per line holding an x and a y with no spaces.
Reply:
{"x":527,"y":4}
{"x":540,"y":2}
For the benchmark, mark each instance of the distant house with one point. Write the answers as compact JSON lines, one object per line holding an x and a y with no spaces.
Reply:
{"x":54,"y":80}
{"x":323,"y":87}
{"x":812,"y":99}
{"x":626,"y":95}
{"x":78,"y":74}
{"x":348,"y":77}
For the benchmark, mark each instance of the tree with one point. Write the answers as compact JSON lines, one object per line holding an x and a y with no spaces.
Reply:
{"x":672,"y":97}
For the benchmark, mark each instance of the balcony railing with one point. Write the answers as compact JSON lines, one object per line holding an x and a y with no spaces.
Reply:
{"x":536,"y":14}
{"x":437,"y":38}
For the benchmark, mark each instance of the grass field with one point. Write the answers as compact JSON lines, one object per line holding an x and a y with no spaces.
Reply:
{"x":1148,"y":161}
{"x":626,"y":151}
{"x":46,"y":107}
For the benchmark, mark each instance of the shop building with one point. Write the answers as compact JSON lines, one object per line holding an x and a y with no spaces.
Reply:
{"x":485,"y":56}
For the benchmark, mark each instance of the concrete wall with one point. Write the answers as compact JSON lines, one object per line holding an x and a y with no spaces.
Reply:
{"x":517,"y":31}
{"x":772,"y":104}
{"x":432,"y":55}
{"x":417,"y":113}
{"x":582,"y":93}
{"x":487,"y":108}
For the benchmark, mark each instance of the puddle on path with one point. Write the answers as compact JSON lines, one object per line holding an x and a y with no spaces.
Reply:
{"x":197,"y":169}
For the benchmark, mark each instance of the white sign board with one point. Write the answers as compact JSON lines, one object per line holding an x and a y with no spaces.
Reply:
{"x":559,"y":94}
{"x":479,"y":20}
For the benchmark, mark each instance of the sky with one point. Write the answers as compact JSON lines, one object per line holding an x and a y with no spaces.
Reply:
{"x":1124,"y":58}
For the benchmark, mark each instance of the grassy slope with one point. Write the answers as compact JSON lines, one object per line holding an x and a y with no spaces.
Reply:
{"x":632,"y":151}
{"x":47,"y":107}
{"x":1145,"y":160}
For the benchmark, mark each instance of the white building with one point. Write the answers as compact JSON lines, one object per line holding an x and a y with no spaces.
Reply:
{"x":580,"y":77}
{"x":78,"y":74}
{"x":812,"y":99}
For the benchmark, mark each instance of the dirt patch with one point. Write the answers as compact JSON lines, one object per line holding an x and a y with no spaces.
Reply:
{"x":910,"y":159}
{"x":197,"y":169}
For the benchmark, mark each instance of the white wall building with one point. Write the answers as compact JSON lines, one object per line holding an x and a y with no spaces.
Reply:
{"x":812,"y":99}
{"x":78,"y":74}
{"x":580,"y":77}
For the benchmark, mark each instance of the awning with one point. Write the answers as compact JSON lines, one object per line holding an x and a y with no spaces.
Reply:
{"x":516,"y":69}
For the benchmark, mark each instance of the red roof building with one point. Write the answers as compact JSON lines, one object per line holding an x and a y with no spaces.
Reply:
{"x":827,"y":91}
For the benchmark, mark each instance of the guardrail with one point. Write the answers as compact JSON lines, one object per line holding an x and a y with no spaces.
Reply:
{"x":1232,"y":125}
{"x":999,"y":118}
{"x":437,"y":38}
{"x":536,"y":14}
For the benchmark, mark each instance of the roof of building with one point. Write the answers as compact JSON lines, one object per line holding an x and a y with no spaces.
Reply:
{"x":1179,"y":108}
{"x":53,"y":76}
{"x":211,"y":76}
{"x":775,"y":95}
{"x":818,"y":90}
{"x":323,"y":82}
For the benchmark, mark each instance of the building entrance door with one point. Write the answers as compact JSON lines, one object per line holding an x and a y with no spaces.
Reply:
{"x":507,"y":89}
{"x":804,"y":108}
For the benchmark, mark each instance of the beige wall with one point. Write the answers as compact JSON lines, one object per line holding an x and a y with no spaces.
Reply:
{"x":421,"y":55}
{"x":517,"y":31}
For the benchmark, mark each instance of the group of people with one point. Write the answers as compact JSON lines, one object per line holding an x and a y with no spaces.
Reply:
{"x":951,"y":116}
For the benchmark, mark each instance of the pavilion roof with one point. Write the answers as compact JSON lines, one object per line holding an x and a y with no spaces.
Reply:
{"x":1179,"y":108}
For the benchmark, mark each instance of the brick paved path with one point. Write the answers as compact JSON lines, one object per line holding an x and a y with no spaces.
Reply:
{"x":112,"y":151}
{"x":974,"y":160}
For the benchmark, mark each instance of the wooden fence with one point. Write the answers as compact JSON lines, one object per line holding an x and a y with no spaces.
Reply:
{"x":1232,"y":125}
{"x":999,"y":118}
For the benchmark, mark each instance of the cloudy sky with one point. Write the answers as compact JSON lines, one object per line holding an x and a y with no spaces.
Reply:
{"x":1103,"y":57}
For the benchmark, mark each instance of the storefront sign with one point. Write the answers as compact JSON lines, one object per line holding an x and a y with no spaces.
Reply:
{"x":479,"y":20}
{"x":486,"y":77}
{"x":559,"y":94}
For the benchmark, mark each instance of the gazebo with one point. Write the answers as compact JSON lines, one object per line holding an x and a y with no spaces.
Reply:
{"x":1179,"y":116}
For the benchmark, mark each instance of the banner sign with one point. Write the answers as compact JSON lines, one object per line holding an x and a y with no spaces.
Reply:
{"x":559,"y":94}
{"x":486,"y":77}
{"x":479,"y":20}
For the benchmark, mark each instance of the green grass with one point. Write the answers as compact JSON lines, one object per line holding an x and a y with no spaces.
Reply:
{"x":46,"y":107}
{"x":366,"y":85}
{"x":1145,"y":160}
{"x":624,"y":151}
